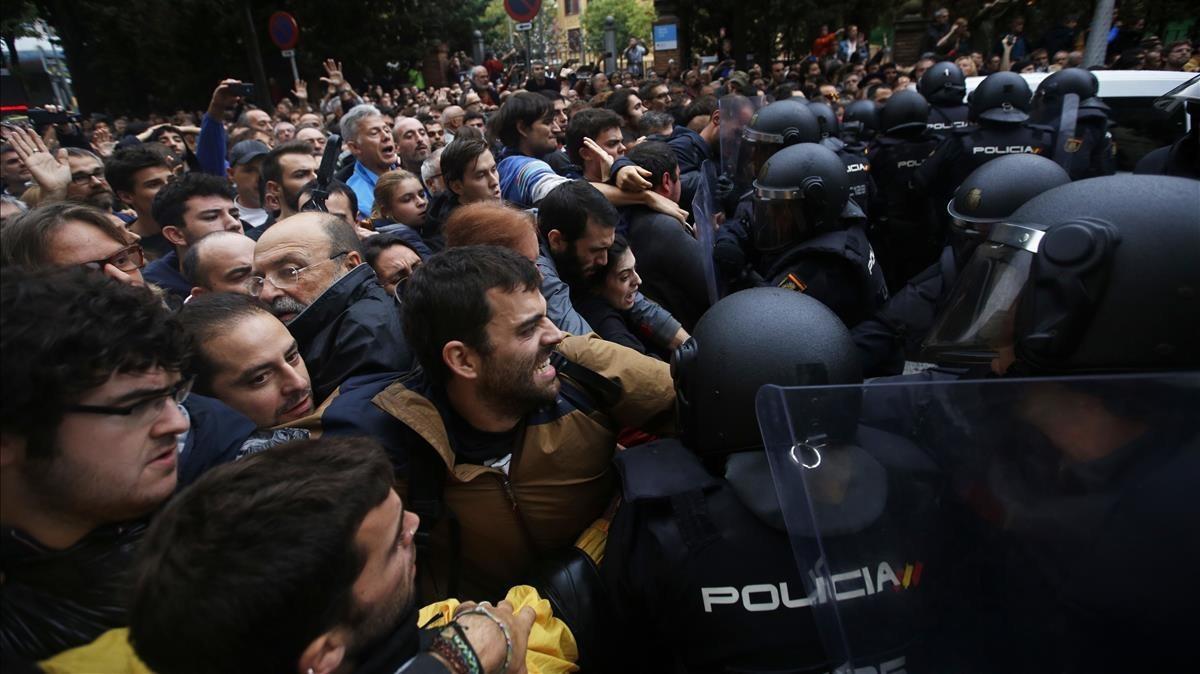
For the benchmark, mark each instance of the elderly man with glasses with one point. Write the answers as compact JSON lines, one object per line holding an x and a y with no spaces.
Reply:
{"x":309,"y":271}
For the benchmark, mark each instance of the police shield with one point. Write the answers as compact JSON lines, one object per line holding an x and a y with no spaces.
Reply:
{"x":994,"y":525}
{"x":704,"y":214}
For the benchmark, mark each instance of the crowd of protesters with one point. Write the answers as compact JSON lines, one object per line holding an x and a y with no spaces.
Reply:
{"x":189,"y":302}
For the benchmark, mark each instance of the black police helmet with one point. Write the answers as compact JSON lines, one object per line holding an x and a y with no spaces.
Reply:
{"x":790,"y":120}
{"x":826,"y":118}
{"x":747,"y":340}
{"x":818,"y":177}
{"x":943,"y":84}
{"x":1082,"y":83}
{"x":1114,"y":285}
{"x":862,"y":117}
{"x":1001,"y":97}
{"x":992,"y":192}
{"x":905,"y":111}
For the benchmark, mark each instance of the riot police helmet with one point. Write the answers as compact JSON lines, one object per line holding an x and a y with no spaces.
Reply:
{"x":1001,"y":97}
{"x":943,"y":84}
{"x":773,"y":127}
{"x":827,"y":119}
{"x":801,"y":191}
{"x":1048,"y":100}
{"x":860,"y":121}
{"x":745,"y":341}
{"x":992,"y":192}
{"x":1082,"y":83}
{"x":1096,"y":275}
{"x":905,"y":112}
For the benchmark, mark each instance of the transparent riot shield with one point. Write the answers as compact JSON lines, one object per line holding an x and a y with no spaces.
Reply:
{"x":736,"y":112}
{"x":704,"y":212}
{"x":1024,"y":525}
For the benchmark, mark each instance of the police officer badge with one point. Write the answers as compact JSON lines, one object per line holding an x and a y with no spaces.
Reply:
{"x":973,"y":198}
{"x":1073,"y":144}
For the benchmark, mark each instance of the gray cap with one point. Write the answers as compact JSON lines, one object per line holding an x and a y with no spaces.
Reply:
{"x":246,"y":151}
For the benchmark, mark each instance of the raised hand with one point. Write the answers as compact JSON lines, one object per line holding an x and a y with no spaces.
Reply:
{"x":51,"y":171}
{"x":605,"y":158}
{"x":223,"y":98}
{"x":333,"y":74}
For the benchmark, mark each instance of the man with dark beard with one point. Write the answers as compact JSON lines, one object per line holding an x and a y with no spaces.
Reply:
{"x":576,"y":226}
{"x":309,"y":271}
{"x":285,"y":171}
{"x":504,"y":434}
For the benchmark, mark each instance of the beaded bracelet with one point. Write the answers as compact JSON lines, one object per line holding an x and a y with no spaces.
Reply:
{"x":508,"y":644}
{"x":452,"y":645}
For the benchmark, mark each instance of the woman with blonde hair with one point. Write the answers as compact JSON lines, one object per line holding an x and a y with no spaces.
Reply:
{"x":399,"y":200}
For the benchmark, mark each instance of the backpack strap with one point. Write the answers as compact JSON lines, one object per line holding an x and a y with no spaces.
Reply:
{"x":605,"y":392}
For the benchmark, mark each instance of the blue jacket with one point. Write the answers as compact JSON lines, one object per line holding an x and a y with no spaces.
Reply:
{"x":164,"y":273}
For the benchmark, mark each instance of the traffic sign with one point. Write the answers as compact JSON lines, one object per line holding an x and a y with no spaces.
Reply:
{"x":283,"y":29}
{"x":522,"y":10}
{"x":522,"y":27}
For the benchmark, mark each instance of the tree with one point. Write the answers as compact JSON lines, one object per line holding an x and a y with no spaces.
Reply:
{"x":630,"y":19}
{"x":143,"y":55}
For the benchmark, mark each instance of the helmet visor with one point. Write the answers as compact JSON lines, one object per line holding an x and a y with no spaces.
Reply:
{"x":977,"y":321}
{"x":779,"y":222}
{"x":752,"y":154}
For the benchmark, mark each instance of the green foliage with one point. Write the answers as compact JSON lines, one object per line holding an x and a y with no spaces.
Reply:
{"x":630,"y":18}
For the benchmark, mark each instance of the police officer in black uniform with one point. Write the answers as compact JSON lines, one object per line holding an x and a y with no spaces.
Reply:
{"x":944,"y":86}
{"x":860,"y":123}
{"x":989,"y":195}
{"x":1066,"y":102}
{"x":858,"y":167}
{"x":772,"y":128}
{"x":1000,"y":107}
{"x":1098,"y":276}
{"x":698,"y":563}
{"x":905,"y":228}
{"x":807,"y":234}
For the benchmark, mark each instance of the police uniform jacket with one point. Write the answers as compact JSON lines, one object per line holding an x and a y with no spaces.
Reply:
{"x":703,"y":577}
{"x":560,"y":478}
{"x":967,"y":149}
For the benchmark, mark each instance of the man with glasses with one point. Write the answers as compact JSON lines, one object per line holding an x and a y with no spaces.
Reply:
{"x":67,"y":234}
{"x":188,"y":209}
{"x":73,"y":174}
{"x":656,"y":95}
{"x":309,"y":271}
{"x":94,"y":437}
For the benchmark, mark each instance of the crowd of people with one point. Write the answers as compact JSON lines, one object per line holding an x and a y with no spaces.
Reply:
{"x":462,"y":378}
